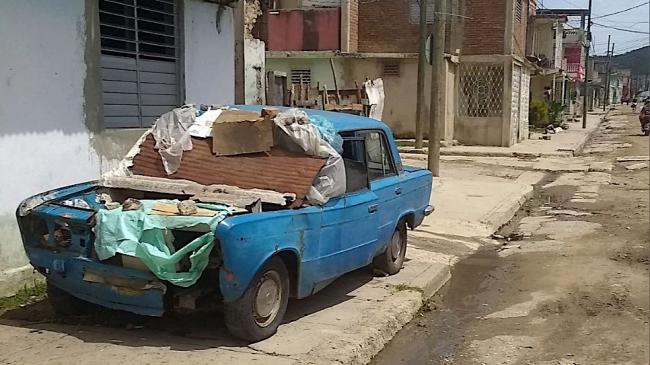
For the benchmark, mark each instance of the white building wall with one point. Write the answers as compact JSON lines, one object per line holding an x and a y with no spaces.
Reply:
{"x":43,"y":141}
{"x":209,"y":54}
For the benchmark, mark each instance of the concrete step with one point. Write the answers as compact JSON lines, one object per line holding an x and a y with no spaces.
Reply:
{"x":410,"y":143}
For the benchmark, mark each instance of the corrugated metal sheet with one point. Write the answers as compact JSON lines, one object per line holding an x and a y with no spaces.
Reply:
{"x":278,"y":170}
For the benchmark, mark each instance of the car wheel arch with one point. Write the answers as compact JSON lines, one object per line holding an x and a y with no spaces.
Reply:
{"x":409,"y":218}
{"x":291,"y":261}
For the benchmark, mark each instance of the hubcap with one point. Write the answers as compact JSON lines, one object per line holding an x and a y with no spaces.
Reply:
{"x":268,"y":298}
{"x":396,"y":246}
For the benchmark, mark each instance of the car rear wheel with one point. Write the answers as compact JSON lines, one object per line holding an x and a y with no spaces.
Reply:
{"x":64,"y":303}
{"x":259,"y":312}
{"x":392,"y":260}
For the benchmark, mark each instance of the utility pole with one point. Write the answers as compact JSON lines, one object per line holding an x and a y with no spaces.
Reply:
{"x":586,"y":82}
{"x":422,"y":60}
{"x":609,"y":71}
{"x":609,"y":58}
{"x":437,"y":78}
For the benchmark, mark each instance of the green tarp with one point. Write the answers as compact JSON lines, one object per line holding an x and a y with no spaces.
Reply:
{"x":138,"y":234}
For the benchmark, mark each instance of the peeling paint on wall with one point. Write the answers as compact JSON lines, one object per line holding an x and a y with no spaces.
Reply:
{"x":254,"y":71}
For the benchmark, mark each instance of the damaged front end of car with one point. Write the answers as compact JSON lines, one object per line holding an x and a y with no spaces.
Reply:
{"x":57,"y":232}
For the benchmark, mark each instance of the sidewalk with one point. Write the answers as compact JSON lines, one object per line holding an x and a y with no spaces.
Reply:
{"x":564,"y":144}
{"x":347,"y":323}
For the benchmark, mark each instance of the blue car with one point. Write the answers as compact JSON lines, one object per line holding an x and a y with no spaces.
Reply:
{"x":259,"y":258}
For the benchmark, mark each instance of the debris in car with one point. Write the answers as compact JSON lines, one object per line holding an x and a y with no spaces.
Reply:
{"x":181,"y":208}
{"x":237,"y":132}
{"x":187,"y":207}
{"x":141,"y":234}
{"x":277,"y":170}
{"x":131,"y":204}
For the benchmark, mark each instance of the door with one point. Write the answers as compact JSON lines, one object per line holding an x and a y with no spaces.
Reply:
{"x":348,"y":233}
{"x":384,"y":182}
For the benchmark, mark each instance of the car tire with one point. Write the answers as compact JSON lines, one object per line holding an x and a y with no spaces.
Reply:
{"x":66,"y":304}
{"x":258,"y":313}
{"x":392,"y":260}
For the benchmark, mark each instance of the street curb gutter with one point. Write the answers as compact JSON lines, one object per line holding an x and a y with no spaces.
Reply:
{"x":363,"y":341}
{"x":590,"y":134}
{"x":504,"y":212}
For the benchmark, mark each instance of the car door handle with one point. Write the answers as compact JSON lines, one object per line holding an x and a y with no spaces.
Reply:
{"x":373,"y":208}
{"x":398,"y":191}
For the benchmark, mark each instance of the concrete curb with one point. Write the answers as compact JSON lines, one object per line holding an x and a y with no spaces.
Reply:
{"x":503,"y":213}
{"x":362,"y":341}
{"x":12,"y":280}
{"x":578,"y":150}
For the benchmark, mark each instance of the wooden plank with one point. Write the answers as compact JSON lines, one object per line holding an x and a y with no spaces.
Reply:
{"x":172,"y":209}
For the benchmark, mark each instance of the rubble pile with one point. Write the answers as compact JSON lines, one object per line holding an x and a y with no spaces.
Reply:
{"x":197,"y":166}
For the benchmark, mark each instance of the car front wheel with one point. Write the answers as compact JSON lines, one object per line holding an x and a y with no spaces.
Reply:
{"x":258,"y":313}
{"x":391,"y":261}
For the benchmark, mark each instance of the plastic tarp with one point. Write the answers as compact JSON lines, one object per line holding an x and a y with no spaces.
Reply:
{"x":327,"y":132}
{"x":202,"y":126}
{"x":310,"y":135}
{"x":139,"y":234}
{"x":375,"y":91}
{"x":172,"y":135}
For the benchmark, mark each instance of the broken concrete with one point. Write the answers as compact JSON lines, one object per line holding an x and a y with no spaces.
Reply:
{"x":637,"y":166}
{"x":632,"y":159}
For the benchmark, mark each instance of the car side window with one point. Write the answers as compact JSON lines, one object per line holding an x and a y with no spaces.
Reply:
{"x":380,"y":163}
{"x":356,"y":169}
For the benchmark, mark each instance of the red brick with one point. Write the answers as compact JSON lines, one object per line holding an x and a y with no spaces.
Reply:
{"x":384,"y":27}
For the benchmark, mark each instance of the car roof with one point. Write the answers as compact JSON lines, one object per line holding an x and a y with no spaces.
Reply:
{"x":341,"y":121}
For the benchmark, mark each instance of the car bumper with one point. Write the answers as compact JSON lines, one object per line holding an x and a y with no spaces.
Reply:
{"x":109,"y":286}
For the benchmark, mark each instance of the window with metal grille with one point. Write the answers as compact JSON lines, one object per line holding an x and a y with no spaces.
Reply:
{"x":301,"y":76}
{"x":391,"y":69}
{"x":139,"y":62}
{"x":519,"y":10}
{"x":480,"y":93}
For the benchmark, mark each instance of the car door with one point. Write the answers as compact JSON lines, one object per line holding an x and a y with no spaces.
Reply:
{"x":385,"y":182}
{"x":348,"y":235}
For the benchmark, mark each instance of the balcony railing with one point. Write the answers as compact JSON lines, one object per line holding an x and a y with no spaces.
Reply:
{"x":576,"y":71}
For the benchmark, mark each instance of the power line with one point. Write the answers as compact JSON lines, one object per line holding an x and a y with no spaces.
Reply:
{"x":621,"y":29}
{"x":633,"y":40}
{"x":622,"y":11}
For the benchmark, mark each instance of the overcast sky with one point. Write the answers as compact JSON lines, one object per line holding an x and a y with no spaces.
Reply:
{"x":636,"y":20}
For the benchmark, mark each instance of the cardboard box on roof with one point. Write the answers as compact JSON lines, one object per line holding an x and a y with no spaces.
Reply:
{"x":237,"y":132}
